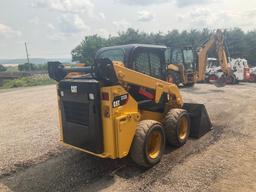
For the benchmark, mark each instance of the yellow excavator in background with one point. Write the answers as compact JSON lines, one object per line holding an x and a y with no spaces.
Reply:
{"x":188,"y":67}
{"x":122,"y":105}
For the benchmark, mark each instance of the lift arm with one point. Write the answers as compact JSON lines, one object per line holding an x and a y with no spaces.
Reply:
{"x":125,"y":75}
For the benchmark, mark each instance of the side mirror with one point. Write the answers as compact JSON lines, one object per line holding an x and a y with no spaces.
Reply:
{"x":56,"y":71}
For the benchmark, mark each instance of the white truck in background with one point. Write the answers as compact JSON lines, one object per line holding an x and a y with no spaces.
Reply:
{"x":239,"y":67}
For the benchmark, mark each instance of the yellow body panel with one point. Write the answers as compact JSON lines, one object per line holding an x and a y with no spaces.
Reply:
{"x":173,"y":67}
{"x":120,"y":125}
{"x":125,"y":126}
{"x":149,"y":115}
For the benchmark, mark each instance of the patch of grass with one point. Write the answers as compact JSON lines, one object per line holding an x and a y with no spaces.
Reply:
{"x":12,"y":69}
{"x":34,"y":80}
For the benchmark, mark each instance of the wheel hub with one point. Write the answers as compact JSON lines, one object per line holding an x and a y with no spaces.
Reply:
{"x":183,"y":129}
{"x":154,"y":144}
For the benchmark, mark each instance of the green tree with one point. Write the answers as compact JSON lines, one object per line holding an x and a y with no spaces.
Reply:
{"x":42,"y":67}
{"x":27,"y":67}
{"x":250,"y":50}
{"x":85,"y":52}
{"x":2,"y":68}
{"x":128,"y":37}
{"x":235,"y":42}
{"x":238,"y":42}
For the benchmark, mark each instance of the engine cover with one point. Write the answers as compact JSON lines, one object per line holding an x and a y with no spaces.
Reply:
{"x":80,"y":111}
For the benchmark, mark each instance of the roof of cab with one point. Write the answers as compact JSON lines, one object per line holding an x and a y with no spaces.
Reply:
{"x":129,"y":47}
{"x":129,"y":50}
{"x":136,"y":46}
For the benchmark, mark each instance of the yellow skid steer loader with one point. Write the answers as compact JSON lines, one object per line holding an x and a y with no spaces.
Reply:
{"x":122,"y":104}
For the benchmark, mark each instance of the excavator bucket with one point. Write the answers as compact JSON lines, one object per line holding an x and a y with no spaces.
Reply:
{"x":199,"y":119}
{"x":220,"y":82}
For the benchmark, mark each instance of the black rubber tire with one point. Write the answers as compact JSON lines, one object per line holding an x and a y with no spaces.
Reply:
{"x":221,"y":81}
{"x":210,"y":78}
{"x":189,"y":85}
{"x":138,"y":150}
{"x":235,"y":80}
{"x":232,"y":80}
{"x":175,"y":77}
{"x":172,"y":126}
{"x":254,"y":78}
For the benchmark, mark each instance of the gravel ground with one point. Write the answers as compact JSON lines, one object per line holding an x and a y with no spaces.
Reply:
{"x":222,"y":160}
{"x":28,"y":126}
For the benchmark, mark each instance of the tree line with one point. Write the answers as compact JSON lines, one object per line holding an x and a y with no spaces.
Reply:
{"x":2,"y":68}
{"x":32,"y":67}
{"x":238,"y":43}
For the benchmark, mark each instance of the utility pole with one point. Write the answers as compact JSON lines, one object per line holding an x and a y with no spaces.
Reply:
{"x":27,"y":55}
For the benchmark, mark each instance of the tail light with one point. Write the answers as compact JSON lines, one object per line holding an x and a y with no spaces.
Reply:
{"x":105,"y":96}
{"x":247,"y":73}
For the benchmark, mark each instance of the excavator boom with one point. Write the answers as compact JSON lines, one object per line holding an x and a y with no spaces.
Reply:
{"x":215,"y":41}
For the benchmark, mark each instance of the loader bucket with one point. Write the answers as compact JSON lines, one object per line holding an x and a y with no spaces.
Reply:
{"x":200,"y":122}
{"x":220,"y":82}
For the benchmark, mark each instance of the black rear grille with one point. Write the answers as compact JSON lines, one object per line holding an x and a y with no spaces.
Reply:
{"x":81,"y":117}
{"x":76,"y":112}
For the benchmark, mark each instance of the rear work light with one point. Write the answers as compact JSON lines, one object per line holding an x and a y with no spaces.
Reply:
{"x":91,"y":96}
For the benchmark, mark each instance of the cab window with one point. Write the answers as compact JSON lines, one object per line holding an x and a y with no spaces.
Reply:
{"x":177,"y":57}
{"x":155,"y":64}
{"x":148,"y":63}
{"x":113,"y":55}
{"x":142,"y":63}
{"x":188,"y":56}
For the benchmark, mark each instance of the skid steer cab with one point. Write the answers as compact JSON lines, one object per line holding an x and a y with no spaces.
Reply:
{"x":122,"y":105}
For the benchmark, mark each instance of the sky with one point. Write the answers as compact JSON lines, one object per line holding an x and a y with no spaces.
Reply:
{"x":52,"y":28}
